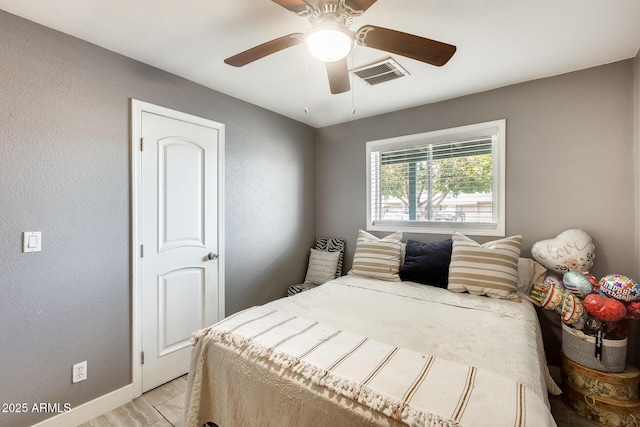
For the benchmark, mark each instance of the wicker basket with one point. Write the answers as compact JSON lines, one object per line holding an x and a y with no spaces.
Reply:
{"x":581,"y":349}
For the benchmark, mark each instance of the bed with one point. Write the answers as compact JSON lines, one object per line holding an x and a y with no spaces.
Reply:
{"x":360,"y":351}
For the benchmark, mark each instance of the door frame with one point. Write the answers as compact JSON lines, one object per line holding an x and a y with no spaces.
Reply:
{"x":137,"y":108}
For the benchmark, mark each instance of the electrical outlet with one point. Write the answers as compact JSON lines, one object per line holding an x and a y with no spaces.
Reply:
{"x":79,"y":372}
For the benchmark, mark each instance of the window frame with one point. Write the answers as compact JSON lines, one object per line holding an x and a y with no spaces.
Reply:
{"x":497,"y":130}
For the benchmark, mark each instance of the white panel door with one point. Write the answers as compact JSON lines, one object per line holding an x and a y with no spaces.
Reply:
{"x":178,"y":231}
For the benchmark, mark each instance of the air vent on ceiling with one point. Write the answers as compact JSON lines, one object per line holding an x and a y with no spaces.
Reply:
{"x":380,"y":72}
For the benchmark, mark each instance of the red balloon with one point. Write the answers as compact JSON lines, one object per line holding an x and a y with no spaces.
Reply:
{"x":633,"y":310}
{"x":605,"y":308}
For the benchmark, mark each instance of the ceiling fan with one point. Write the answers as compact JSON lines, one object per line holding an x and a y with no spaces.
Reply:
{"x":331,"y":40}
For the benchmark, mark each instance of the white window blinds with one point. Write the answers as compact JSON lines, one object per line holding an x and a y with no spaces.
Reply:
{"x":450,"y":181}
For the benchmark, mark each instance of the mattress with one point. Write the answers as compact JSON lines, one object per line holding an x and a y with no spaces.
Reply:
{"x":232,"y":383}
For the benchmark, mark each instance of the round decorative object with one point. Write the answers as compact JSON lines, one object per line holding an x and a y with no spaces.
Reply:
{"x":549,"y":295}
{"x":554,"y":298}
{"x":571,"y":250}
{"x":577,"y":283}
{"x":573,"y":312}
{"x":619,"y":287}
{"x":604,"y":308}
{"x":551,"y":278}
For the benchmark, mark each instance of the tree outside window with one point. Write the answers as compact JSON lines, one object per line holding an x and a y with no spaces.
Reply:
{"x":422,"y":187}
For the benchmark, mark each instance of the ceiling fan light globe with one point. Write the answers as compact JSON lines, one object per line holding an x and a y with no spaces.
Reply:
{"x":329,"y":45}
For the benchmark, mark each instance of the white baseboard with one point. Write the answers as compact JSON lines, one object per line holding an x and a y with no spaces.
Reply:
{"x":90,"y":410}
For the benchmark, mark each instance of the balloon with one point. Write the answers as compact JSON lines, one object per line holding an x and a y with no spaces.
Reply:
{"x":571,"y":250}
{"x":633,"y":310}
{"x":577,"y":283}
{"x":605,"y":309}
{"x":573,"y":312}
{"x":549,"y":295}
{"x":553,"y":279}
{"x":619,"y":287}
{"x":593,"y":281}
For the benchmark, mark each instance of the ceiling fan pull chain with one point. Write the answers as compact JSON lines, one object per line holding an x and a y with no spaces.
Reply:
{"x":306,"y":81}
{"x":353,"y":87}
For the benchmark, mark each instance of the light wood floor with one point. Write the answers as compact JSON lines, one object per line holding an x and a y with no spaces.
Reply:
{"x":160,"y":407}
{"x":564,"y":416}
{"x":163,"y":407}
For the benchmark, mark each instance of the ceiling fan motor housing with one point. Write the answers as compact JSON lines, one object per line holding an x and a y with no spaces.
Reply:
{"x":331,"y":11}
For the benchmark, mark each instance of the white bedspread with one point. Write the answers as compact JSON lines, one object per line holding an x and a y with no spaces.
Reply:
{"x":232,"y":388}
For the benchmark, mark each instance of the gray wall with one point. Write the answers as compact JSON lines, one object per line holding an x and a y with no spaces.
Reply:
{"x":570,"y":161}
{"x":634,"y":350}
{"x":65,"y":171}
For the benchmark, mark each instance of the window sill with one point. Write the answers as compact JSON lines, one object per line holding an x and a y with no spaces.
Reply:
{"x":494,"y":230}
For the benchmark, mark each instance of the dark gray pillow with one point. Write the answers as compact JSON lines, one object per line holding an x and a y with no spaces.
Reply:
{"x":427,"y":263}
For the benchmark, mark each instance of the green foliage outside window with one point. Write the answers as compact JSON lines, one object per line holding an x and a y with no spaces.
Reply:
{"x":450,"y":177}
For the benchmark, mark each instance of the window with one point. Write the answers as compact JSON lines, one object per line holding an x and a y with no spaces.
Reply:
{"x":439,"y":182}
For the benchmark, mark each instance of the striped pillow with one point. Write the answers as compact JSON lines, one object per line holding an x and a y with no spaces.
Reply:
{"x":377,"y":258}
{"x":489,"y":269}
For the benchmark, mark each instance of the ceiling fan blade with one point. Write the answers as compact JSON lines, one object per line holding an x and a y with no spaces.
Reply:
{"x":265,"y":49}
{"x":296,"y":6}
{"x":338,"y":73}
{"x":359,"y":5}
{"x":419,"y":48}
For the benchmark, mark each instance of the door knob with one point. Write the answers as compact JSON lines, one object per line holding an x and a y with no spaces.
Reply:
{"x":211,"y":256}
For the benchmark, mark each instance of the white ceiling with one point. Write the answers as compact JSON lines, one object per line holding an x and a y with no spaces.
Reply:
{"x":500,"y":42}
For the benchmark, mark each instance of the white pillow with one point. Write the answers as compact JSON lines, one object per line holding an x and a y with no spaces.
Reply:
{"x":529,"y":273}
{"x":322,"y":266}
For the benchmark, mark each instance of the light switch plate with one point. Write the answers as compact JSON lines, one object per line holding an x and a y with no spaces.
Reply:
{"x":32,"y":241}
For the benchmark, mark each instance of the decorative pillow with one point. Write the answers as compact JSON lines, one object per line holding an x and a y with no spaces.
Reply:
{"x":333,"y":244}
{"x":427,"y":263}
{"x":530,"y":272}
{"x":485,"y":269}
{"x":322,"y":267}
{"x":377,"y":258}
